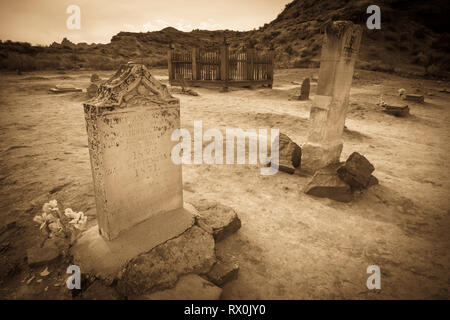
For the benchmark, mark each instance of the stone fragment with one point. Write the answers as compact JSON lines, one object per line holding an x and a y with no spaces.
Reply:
{"x":38,"y":256}
{"x":326,"y":184}
{"x":160,"y":268}
{"x":304,"y":92}
{"x":63,"y":88}
{"x":188,"y":287}
{"x":216,"y":218}
{"x":99,"y":291}
{"x":373,"y":181}
{"x":356,"y":171}
{"x":104,"y":258}
{"x":290,"y":154}
{"x":401,"y":92}
{"x":398,"y":111}
{"x":223,"y":272}
{"x":414,"y":97}
{"x":95,"y":77}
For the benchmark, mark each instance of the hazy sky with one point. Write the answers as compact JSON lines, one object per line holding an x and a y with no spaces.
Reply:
{"x":44,"y":21}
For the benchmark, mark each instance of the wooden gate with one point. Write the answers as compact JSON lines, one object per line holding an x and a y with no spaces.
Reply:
{"x":219,"y":67}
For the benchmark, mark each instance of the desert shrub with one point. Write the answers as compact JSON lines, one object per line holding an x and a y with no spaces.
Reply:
{"x":442,"y":43}
{"x":420,"y":34}
{"x":376,"y":65}
{"x":307,"y":52}
{"x":15,"y":61}
{"x":305,"y":63}
{"x":289,"y":50}
{"x":275,"y":34}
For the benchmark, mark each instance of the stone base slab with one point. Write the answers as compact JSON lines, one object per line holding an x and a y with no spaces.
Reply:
{"x":103,"y":258}
{"x":316,"y":156}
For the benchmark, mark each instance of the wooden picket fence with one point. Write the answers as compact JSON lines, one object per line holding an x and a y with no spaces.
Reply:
{"x":220,"y":67}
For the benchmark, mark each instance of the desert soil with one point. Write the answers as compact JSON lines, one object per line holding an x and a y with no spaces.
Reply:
{"x":291,"y":245}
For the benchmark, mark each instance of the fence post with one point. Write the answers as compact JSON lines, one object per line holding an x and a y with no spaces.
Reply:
{"x":272,"y":61}
{"x":224,"y":65}
{"x":169,"y":63}
{"x":250,"y":63}
{"x":194,"y":64}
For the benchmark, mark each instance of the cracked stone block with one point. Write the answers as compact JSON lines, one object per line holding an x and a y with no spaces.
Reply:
{"x":188,"y":287}
{"x":223,"y":272}
{"x":217,"y":219}
{"x":326,"y":184}
{"x":160,"y":268}
{"x":356,"y":171}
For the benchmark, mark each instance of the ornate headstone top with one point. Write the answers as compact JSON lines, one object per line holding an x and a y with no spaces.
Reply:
{"x":132,"y":84}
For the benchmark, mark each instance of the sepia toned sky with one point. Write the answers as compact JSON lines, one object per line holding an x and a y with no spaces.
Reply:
{"x":44,"y":21}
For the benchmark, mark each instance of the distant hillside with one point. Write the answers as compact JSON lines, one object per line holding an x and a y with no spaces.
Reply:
{"x":414,"y":37}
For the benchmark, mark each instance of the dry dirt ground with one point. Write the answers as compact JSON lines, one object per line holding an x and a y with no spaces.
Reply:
{"x":291,"y":245}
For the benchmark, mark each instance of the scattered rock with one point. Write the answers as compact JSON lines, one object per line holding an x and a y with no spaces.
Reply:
{"x":216,"y":218}
{"x":290,"y":154}
{"x":95,"y":77}
{"x":414,"y":97}
{"x":223,"y":272}
{"x":63,"y":88}
{"x":398,"y":111}
{"x":99,"y":291}
{"x":356,"y":171}
{"x":38,"y":256}
{"x":160,"y":268}
{"x":304,"y":92}
{"x":190,"y":92}
{"x":401,"y":92}
{"x":189,"y":287}
{"x":326,"y":184}
{"x":45,"y":272}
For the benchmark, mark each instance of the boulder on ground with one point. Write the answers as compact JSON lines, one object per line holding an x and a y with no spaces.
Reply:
{"x":99,"y":291}
{"x":398,"y":111}
{"x":188,"y":287}
{"x":223,"y":271}
{"x":356,"y":171}
{"x":49,"y":252}
{"x":216,"y":218}
{"x":160,"y":268}
{"x":326,"y":184}
{"x":290,"y":154}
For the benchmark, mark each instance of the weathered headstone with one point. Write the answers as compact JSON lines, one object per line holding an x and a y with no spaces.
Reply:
{"x":138,"y":189}
{"x":327,"y":117}
{"x":290,"y":154}
{"x":398,"y":111}
{"x":414,"y":97}
{"x":304,"y":91}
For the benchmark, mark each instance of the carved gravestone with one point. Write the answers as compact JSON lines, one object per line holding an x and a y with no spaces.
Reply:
{"x":129,"y":126}
{"x":138,"y":189}
{"x":304,"y":91}
{"x":327,"y":116}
